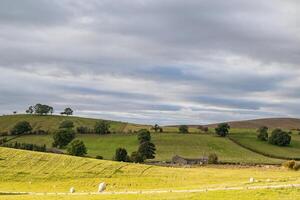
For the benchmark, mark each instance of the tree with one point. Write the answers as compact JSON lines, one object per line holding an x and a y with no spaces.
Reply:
{"x":136,"y":157}
{"x":41,"y":109}
{"x":262,"y":133}
{"x":21,"y":128}
{"x":121,"y":155}
{"x":280,"y":138}
{"x":222,"y":129}
{"x":30,"y":110}
{"x":66,"y":124}
{"x":63,"y":137}
{"x":102,"y":127}
{"x":77,"y":148}
{"x":157,"y":128}
{"x":183,"y":129}
{"x":67,"y":111}
{"x":144,"y":136}
{"x":147,"y":150}
{"x":203,"y":128}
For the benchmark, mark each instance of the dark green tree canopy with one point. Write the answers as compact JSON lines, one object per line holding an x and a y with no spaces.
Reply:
{"x":136,"y":157}
{"x":30,"y":110}
{"x":41,"y":109}
{"x":102,"y":127}
{"x":222,"y":129}
{"x":66,"y":124}
{"x":77,"y":148}
{"x":63,"y":137}
{"x":183,"y":129}
{"x":21,"y":128}
{"x":144,"y":136}
{"x":262,"y":133}
{"x":121,"y":155}
{"x":67,"y":111}
{"x":147,"y":150}
{"x":280,"y":138}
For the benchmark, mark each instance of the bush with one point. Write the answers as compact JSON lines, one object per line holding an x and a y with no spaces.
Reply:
{"x":212,"y":158}
{"x":183,"y":129}
{"x":136,"y":157}
{"x":21,"y":128}
{"x":77,"y":148}
{"x":84,"y":130}
{"x":102,"y":127}
{"x":144,"y":136}
{"x":222,"y":129}
{"x":121,"y":155}
{"x":63,"y":137}
{"x":99,"y":157}
{"x":66,"y":124}
{"x":262,"y":133}
{"x":280,"y":138}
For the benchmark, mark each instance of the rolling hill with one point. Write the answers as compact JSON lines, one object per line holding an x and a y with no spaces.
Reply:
{"x":283,"y":123}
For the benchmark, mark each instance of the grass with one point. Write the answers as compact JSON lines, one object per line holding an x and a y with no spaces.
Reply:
{"x":42,"y":172}
{"x":247,"y":137}
{"x":168,"y":145}
{"x":51,"y":122}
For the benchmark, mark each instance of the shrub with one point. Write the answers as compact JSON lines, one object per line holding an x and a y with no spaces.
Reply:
{"x":262,"y":133}
{"x":63,"y":137}
{"x":99,"y":157}
{"x":280,"y":138}
{"x":21,"y":128}
{"x":144,"y":136}
{"x":84,"y":130}
{"x":77,"y":148}
{"x":121,"y":155}
{"x":183,"y":129}
{"x":66,"y":124}
{"x":147,"y":150}
{"x":136,"y":157}
{"x":222,"y":129}
{"x":212,"y":158}
{"x":102,"y":127}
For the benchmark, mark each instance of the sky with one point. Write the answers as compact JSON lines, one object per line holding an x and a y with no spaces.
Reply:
{"x":152,"y":61}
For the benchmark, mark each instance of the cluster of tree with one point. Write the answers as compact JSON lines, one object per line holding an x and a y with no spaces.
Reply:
{"x":278,"y":137}
{"x":64,"y":135}
{"x":22,"y":127}
{"x":102,"y":127}
{"x":222,"y":129}
{"x":183,"y":129}
{"x":67,"y":111}
{"x":26,"y":146}
{"x":157,"y":128}
{"x":146,"y":149}
{"x":41,"y":109}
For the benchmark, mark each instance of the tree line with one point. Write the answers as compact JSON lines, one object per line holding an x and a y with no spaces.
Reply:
{"x":43,"y":109}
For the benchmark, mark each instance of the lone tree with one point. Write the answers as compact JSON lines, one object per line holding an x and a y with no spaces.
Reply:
{"x":147,"y":150}
{"x":144,"y":136}
{"x":41,"y":109}
{"x":30,"y":110}
{"x":280,"y":138}
{"x":183,"y":129}
{"x":77,"y":148}
{"x":157,"y":128}
{"x":121,"y":155}
{"x":63,"y":137}
{"x":67,"y":111}
{"x":102,"y":127}
{"x":66,"y":124}
{"x":262,"y":133}
{"x":21,"y":128}
{"x":222,"y":129}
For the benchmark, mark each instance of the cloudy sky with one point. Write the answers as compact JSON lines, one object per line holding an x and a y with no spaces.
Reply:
{"x":148,"y":61}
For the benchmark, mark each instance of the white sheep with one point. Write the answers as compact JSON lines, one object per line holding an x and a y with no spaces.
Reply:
{"x":72,"y":190}
{"x":251,"y":180}
{"x":102,"y":187}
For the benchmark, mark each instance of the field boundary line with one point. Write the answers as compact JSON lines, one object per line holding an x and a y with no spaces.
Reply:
{"x":158,"y":191}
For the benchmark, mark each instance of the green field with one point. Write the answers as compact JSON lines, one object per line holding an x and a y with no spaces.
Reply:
{"x":168,"y":145}
{"x":247,"y":137}
{"x":51,"y":123}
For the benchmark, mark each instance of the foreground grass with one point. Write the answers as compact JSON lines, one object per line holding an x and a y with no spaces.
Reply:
{"x":23,"y":171}
{"x":168,"y":145}
{"x":248,"y":138}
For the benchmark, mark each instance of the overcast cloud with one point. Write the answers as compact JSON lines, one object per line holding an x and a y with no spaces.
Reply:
{"x":152,"y":61}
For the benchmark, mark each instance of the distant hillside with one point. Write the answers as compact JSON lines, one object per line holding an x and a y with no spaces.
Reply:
{"x":51,"y":122}
{"x":284,"y":123}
